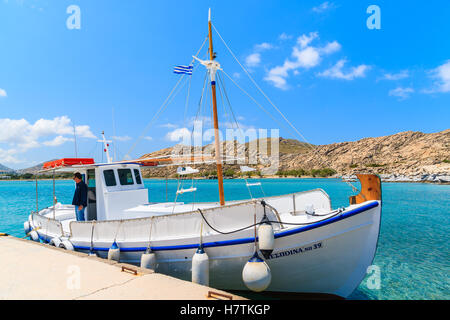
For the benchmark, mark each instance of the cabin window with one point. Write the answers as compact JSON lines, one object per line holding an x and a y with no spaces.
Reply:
{"x":137,"y":176}
{"x":110,"y":178}
{"x":125,"y":177}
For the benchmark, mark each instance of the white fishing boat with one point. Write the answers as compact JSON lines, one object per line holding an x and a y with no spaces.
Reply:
{"x":307,"y":246}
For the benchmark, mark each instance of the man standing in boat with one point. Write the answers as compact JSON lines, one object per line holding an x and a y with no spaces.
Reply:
{"x":80,"y":196}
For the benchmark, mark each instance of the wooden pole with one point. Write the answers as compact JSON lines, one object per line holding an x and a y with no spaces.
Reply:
{"x":216,"y":121}
{"x":37,"y":202}
{"x":54,"y":195}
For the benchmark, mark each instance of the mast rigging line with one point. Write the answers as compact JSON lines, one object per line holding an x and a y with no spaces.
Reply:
{"x":260,"y":90}
{"x":256,"y":102}
{"x":164,"y":105}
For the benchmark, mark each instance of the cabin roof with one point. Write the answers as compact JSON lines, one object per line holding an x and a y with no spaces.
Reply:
{"x":74,"y":164}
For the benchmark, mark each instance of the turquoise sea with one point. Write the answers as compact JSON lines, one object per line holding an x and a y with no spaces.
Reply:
{"x":413,"y":254}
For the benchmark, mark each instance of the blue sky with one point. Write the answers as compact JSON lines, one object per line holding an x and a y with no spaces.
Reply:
{"x":333,"y":77}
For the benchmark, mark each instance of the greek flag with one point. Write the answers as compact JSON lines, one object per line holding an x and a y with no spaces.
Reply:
{"x":183,"y":70}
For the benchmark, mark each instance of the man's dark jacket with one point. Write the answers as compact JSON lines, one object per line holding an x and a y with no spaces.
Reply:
{"x":80,"y":196}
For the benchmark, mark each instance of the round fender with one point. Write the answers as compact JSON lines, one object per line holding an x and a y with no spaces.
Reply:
{"x":66,"y":244}
{"x":256,"y":274}
{"x":55,"y":242}
{"x":200,"y":267}
{"x":34,"y":236}
{"x":26,"y":227}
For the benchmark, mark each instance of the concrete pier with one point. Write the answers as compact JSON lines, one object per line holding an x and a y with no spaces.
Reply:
{"x":30,"y":270}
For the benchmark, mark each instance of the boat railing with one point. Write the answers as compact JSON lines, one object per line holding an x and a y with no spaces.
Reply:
{"x":49,"y":226}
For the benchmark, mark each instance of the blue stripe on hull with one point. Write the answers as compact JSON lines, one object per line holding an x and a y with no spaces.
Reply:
{"x":244,"y":240}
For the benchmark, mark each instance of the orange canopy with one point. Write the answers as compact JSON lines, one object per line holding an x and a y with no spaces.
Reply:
{"x":65,"y":162}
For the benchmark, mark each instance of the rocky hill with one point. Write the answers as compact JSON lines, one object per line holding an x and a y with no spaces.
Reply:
{"x":413,"y":155}
{"x":5,"y":169}
{"x":33,"y":169}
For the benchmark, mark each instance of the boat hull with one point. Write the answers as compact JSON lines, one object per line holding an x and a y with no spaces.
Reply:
{"x":330,"y":256}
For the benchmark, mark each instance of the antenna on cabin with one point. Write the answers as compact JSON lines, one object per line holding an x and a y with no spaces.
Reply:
{"x":106,"y":147}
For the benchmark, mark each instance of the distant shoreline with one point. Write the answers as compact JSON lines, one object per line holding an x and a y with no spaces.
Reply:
{"x":240,"y":178}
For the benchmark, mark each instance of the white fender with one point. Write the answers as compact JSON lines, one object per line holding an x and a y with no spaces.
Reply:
{"x":266,"y":240}
{"x":200,"y":267}
{"x":34,"y":236}
{"x":26,"y":227}
{"x":256,"y":274}
{"x":55,"y":242}
{"x":66,"y":244}
{"x":114,"y":252}
{"x":148,"y":260}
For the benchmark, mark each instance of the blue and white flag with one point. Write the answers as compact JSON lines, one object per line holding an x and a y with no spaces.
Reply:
{"x":183,"y":70}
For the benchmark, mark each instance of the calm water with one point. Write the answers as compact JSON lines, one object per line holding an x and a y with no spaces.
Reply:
{"x":413,"y":252}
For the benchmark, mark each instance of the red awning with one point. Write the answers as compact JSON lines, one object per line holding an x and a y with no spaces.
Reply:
{"x":65,"y":162}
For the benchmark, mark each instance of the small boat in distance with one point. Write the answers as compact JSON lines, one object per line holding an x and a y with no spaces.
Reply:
{"x":308,"y":247}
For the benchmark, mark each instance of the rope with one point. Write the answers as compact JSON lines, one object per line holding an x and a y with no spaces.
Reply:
{"x":28,"y":234}
{"x":150,"y":234}
{"x":352,"y":186}
{"x":253,"y":99}
{"x":117,"y":231}
{"x":339,"y":211}
{"x":92,"y":237}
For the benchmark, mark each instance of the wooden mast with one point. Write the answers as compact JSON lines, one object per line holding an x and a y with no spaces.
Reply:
{"x":216,"y":121}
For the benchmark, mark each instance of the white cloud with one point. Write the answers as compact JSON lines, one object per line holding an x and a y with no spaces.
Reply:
{"x":401,"y":93}
{"x":305,"y":56}
{"x":253,"y":60}
{"x":169,"y":125}
{"x":331,"y":47}
{"x":21,"y":135}
{"x":57,"y":141}
{"x":3,"y":93}
{"x":284,"y":36}
{"x":9,"y":156}
{"x":121,"y":138}
{"x":148,"y":138}
{"x":396,"y":76}
{"x":84,"y":132}
{"x":263,"y":46}
{"x":304,"y":40}
{"x":336,"y":71}
{"x":178,"y":134}
{"x":324,"y":7}
{"x":442,"y":76}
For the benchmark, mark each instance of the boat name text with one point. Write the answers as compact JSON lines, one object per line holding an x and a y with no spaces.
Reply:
{"x":286,"y":253}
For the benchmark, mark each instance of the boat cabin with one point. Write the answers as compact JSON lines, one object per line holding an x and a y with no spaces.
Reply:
{"x":112,"y":187}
